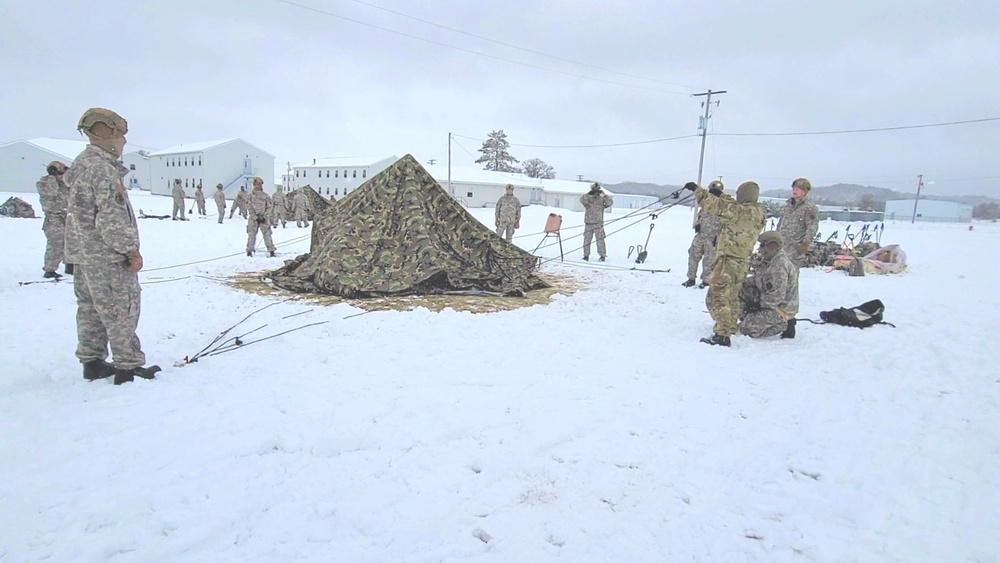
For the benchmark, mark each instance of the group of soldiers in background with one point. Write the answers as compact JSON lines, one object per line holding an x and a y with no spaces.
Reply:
{"x":278,"y":209}
{"x":756,"y":295}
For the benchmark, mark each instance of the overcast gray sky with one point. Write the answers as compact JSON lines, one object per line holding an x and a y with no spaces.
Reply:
{"x":304,"y":81}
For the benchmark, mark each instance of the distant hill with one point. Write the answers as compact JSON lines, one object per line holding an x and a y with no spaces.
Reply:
{"x":837,"y":194}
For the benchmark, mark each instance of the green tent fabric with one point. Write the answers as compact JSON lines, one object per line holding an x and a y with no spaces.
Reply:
{"x":401,"y":233}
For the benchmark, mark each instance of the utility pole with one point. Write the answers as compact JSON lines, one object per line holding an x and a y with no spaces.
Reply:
{"x":450,"y":190}
{"x":704,"y":126}
{"x":920,"y":184}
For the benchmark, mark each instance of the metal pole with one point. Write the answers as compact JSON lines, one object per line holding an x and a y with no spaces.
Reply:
{"x":450,"y":190}
{"x":704,"y":134}
{"x":920,"y":184}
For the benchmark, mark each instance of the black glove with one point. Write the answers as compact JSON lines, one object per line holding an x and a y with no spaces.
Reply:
{"x":690,"y":186}
{"x":261,"y":219}
{"x":697,"y":228}
{"x":716,"y":192}
{"x":752,"y":307}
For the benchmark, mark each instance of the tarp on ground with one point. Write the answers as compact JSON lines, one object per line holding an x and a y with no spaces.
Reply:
{"x":401,"y":233}
{"x":17,"y":208}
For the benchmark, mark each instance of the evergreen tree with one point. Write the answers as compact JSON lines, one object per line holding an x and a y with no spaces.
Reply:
{"x":495,"y":156}
{"x":538,"y":168}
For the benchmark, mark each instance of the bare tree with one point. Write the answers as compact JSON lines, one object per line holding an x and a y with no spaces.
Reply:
{"x":538,"y":168}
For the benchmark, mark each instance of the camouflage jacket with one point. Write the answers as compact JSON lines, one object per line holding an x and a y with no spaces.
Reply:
{"x":220,"y":198}
{"x":100,"y":224}
{"x":594,"y":205}
{"x":241,"y":198}
{"x":799,"y":222}
{"x":777,"y":280}
{"x":300,"y":202}
{"x":199,"y":195}
{"x":710,"y":224}
{"x":741,"y":223}
{"x":258,"y":204}
{"x":177,"y":192}
{"x":278,"y":199}
{"x":53,"y":194}
{"x":508,"y":209}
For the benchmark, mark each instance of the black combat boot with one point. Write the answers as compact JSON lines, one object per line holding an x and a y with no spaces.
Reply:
{"x":789,"y":329}
{"x":97,"y":369}
{"x":717,"y":340}
{"x":125,"y":375}
{"x":51,"y":275}
{"x":68,"y":269}
{"x":249,"y":252}
{"x":702,"y":285}
{"x":602,"y":259}
{"x":271,"y":254}
{"x":586,"y":258}
{"x":689,"y":283}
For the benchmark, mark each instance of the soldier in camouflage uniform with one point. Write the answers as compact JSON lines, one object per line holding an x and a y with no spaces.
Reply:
{"x":178,"y":196}
{"x":594,"y":203}
{"x":769,"y":298}
{"x":260,"y":209}
{"x":220,"y":201}
{"x":102,"y":240}
{"x":240,"y":203}
{"x":199,"y":199}
{"x":53,"y":194}
{"x":702,"y":249}
{"x":799,"y":222}
{"x":508,"y":214}
{"x":300,"y":207}
{"x":280,"y":211}
{"x":742,"y":220}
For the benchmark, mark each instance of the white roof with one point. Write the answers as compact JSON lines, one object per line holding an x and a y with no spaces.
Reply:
{"x":471,"y":174}
{"x":344,"y":161}
{"x":191,"y":147}
{"x":65,"y":148}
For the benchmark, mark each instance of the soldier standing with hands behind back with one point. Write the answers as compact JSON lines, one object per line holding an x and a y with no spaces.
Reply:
{"x":102,"y":240}
{"x":260,"y":207}
{"x":508,"y":213}
{"x":594,"y":203}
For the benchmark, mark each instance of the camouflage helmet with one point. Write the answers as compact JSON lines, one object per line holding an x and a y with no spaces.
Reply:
{"x":716,"y":184}
{"x":94,"y":116}
{"x":219,"y":185}
{"x":802,"y":184}
{"x":177,"y":180}
{"x":56,"y":168}
{"x":770,"y":237}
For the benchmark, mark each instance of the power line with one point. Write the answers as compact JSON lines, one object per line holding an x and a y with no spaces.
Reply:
{"x":588,"y":146}
{"x":470,"y":51}
{"x":870,"y":130}
{"x":519,"y":48}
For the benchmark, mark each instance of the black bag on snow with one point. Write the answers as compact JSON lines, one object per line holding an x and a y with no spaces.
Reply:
{"x":863,"y":316}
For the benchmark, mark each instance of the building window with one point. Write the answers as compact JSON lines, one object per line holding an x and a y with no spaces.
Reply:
{"x":185,"y":182}
{"x":199,"y":161}
{"x":131,"y":167}
{"x":336,"y":191}
{"x":296,"y":173}
{"x":468,"y":194}
{"x":185,"y":161}
{"x":355,"y":174}
{"x":364,"y":173}
{"x":327,"y":175}
{"x":328,"y":191}
{"x":336,"y":173}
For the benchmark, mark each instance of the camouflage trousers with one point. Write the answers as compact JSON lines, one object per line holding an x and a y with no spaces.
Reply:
{"x":279,"y":217}
{"x":758,"y":324}
{"x":178,"y":206}
{"x":590,"y":230}
{"x":201,"y":206}
{"x":107,"y":311}
{"x":301,"y":219}
{"x":222,"y":212}
{"x":54,"y":227}
{"x":265,"y":229}
{"x":723,"y":299}
{"x":702,"y":250}
{"x":506,"y":230}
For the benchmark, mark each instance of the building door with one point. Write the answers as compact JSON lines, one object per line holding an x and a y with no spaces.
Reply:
{"x":247,"y":167}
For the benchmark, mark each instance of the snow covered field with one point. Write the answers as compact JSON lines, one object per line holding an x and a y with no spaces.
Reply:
{"x":593,"y":428}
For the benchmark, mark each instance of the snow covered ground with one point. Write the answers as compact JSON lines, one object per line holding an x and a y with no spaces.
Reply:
{"x":592,"y":428}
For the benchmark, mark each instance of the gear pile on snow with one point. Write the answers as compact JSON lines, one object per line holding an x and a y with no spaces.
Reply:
{"x":17,"y":208}
{"x":401,"y":233}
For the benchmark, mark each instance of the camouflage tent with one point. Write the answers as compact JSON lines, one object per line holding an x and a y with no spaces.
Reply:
{"x":17,"y":207}
{"x":401,"y":233}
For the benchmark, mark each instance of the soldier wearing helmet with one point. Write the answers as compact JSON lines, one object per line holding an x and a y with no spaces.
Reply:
{"x":260,"y":209}
{"x":102,"y":241}
{"x":798,"y":222}
{"x":220,"y":201}
{"x":702,"y":249}
{"x":53,"y":194}
{"x":177,"y":194}
{"x":769,"y":297}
